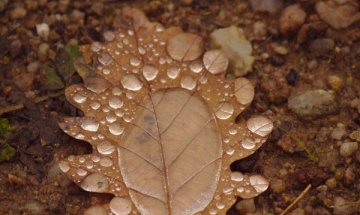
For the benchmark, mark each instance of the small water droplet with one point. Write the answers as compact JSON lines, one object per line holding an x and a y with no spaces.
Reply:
{"x":230,"y":151}
{"x":248,"y":144}
{"x":96,"y":85}
{"x":96,"y":46}
{"x":224,"y":111}
{"x":81,"y":172}
{"x":228,"y":190}
{"x":116,"y":129}
{"x":79,"y":136}
{"x":105,"y":148}
{"x":111,"y":117}
{"x":78,"y":98}
{"x":150,"y":72}
{"x":109,"y":36}
{"x":173,"y":72}
{"x":237,"y":176}
{"x":115,"y":102}
{"x":120,"y":206}
{"x":90,"y":125}
{"x":95,"y":182}
{"x":106,"y":162}
{"x":106,"y":71}
{"x":232,"y":131}
{"x":105,"y":59}
{"x":159,"y":28}
{"x":131,"y":82}
{"x":220,"y":205}
{"x":120,"y":45}
{"x":116,"y":91}
{"x":95,"y":105}
{"x":130,"y":32}
{"x":188,"y":82}
{"x":64,"y":166}
{"x":134,"y":61}
{"x":81,"y":159}
{"x":95,"y":158}
{"x":142,"y":50}
{"x":196,"y":66}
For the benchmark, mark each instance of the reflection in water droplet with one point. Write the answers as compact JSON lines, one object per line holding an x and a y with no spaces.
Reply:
{"x":106,"y":162}
{"x":237,"y":176}
{"x":131,"y":82}
{"x":115,"y":102}
{"x":95,"y":105}
{"x":109,"y":36}
{"x":116,"y":129}
{"x":78,"y":98}
{"x":159,"y":28}
{"x":90,"y":125}
{"x":96,"y":46}
{"x":105,"y":148}
{"x":131,"y":32}
{"x":224,"y":111}
{"x":196,"y":66}
{"x":188,"y":82}
{"x":248,"y":144}
{"x":173,"y":72}
{"x":134,"y":61}
{"x":105,"y":59}
{"x":120,"y":206}
{"x":150,"y":72}
{"x":64,"y":166}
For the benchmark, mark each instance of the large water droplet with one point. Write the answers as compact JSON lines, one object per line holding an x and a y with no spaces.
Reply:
{"x":95,"y":182}
{"x":224,"y":111}
{"x":173,"y":72}
{"x":96,"y":85}
{"x":109,"y":36}
{"x":105,"y":59}
{"x":248,"y":144}
{"x":131,"y":82}
{"x":105,"y":148}
{"x":116,"y":129}
{"x":106,"y":162}
{"x":78,"y":98}
{"x":96,"y":46}
{"x":150,"y":72}
{"x":188,"y":82}
{"x":120,"y":206}
{"x":259,"y":183}
{"x":90,"y":125}
{"x":115,"y":102}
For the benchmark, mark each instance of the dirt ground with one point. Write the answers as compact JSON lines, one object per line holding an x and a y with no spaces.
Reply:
{"x":314,"y":57}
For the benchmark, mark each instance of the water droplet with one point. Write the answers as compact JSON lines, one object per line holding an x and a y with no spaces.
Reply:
{"x":95,"y":105}
{"x":120,"y":45}
{"x":111,"y":117}
{"x":81,"y":172}
{"x":115,"y":102}
{"x":120,"y":206}
{"x":131,"y":82}
{"x":203,"y":79}
{"x":215,"y":61}
{"x":230,"y":151}
{"x":95,"y":182}
{"x":228,"y":190}
{"x":116,"y":129}
{"x":237,"y":176}
{"x":248,"y":144}
{"x":80,"y":136}
{"x":105,"y":148}
{"x":134,"y":61}
{"x":106,"y":71}
{"x":260,"y":125}
{"x":116,"y":91}
{"x":78,"y":98}
{"x":196,"y":66}
{"x":96,"y":85}
{"x":90,"y":125}
{"x":224,"y":111}
{"x":95,"y":210}
{"x":81,"y":159}
{"x":64,"y":166}
{"x":119,"y":113}
{"x":232,"y":131}
{"x":159,"y":28}
{"x":150,"y":72}
{"x":105,"y":59}
{"x":259,"y":183}
{"x":220,"y":205}
{"x":173,"y":72}
{"x":96,"y":46}
{"x":188,"y":82}
{"x":109,"y":36}
{"x":95,"y":158}
{"x":142,"y":50}
{"x":106,"y":162}
{"x":130,"y":32}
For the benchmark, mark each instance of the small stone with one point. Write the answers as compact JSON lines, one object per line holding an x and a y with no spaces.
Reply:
{"x":291,"y":19}
{"x":15,"y":48}
{"x":338,"y":15}
{"x":43,"y":51}
{"x":355,"y":135}
{"x":349,"y":175}
{"x":279,"y":49}
{"x":335,"y":82}
{"x":342,"y":206}
{"x":313,"y":104}
{"x":348,"y":148}
{"x":186,"y":2}
{"x":43,"y":30}
{"x":338,"y":133}
{"x":18,"y":13}
{"x":269,"y":6}
{"x":322,"y":45}
{"x":35,"y":207}
{"x":292,"y":77}
{"x":260,"y":30}
{"x":277,"y":185}
{"x":33,"y":67}
{"x":236,"y":47}
{"x":331,"y":183}
{"x":97,"y":8}
{"x":3,"y":4}
{"x":245,"y":206}
{"x":297,"y":211}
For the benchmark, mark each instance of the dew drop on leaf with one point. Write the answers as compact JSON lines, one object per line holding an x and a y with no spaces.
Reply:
{"x":244,"y":91}
{"x":81,"y":172}
{"x":215,"y":61}
{"x":224,"y":111}
{"x":105,"y":59}
{"x":78,"y":98}
{"x":95,"y":182}
{"x":96,"y":210}
{"x":185,"y":47}
{"x":260,"y":125}
{"x":173,"y":72}
{"x":96,"y":46}
{"x":64,"y":166}
{"x":196,"y":66}
{"x":95,"y":105}
{"x":105,"y":148}
{"x":131,"y":82}
{"x":120,"y":206}
{"x":109,"y":36}
{"x":116,"y":129}
{"x":106,"y":162}
{"x":150,"y":72}
{"x":188,"y":82}
{"x":248,"y":144}
{"x":96,"y":85}
{"x":237,"y":176}
{"x":115,"y":102}
{"x":90,"y":125}
{"x":134,"y":61}
{"x":259,"y":183}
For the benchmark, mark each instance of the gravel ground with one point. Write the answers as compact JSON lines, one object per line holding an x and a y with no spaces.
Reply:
{"x":305,"y":68}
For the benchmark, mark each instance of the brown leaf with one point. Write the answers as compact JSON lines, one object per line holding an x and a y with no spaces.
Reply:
{"x":161,"y":124}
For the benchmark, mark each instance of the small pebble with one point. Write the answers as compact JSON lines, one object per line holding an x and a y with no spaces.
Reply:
{"x":43,"y":30}
{"x":277,"y":185}
{"x":297,"y":211}
{"x":348,"y":148}
{"x":338,"y":133}
{"x":291,"y":19}
{"x":322,"y":45}
{"x":292,"y":77}
{"x":279,"y":49}
{"x":341,"y":206}
{"x":331,"y":183}
{"x":18,"y":13}
{"x":245,"y":206}
{"x":335,"y":82}
{"x":43,"y":51}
